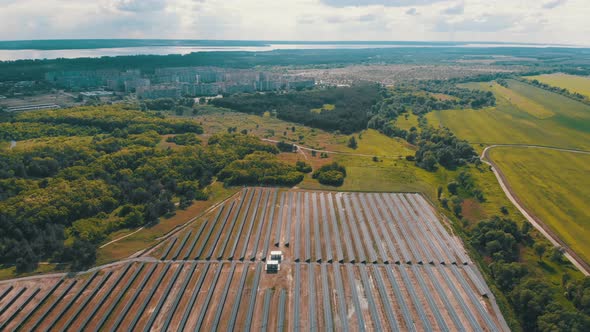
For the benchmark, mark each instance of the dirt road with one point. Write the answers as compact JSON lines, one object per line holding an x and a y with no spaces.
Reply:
{"x":534,"y":220}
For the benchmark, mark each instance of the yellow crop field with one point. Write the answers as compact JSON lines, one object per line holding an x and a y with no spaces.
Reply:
{"x":555,"y":186}
{"x":508,"y":124}
{"x":533,"y":108}
{"x":579,"y":84}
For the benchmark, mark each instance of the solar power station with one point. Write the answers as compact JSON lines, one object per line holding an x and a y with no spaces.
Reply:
{"x":280,"y":260}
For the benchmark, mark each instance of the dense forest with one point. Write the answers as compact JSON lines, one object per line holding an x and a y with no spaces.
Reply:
{"x":348,"y":112}
{"x":61,"y":196}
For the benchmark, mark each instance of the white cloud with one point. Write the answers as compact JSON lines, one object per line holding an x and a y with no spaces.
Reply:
{"x":386,"y":3}
{"x":140,"y":5}
{"x":457,"y":9}
{"x":483,"y":23}
{"x":443,"y":20}
{"x":553,"y":3}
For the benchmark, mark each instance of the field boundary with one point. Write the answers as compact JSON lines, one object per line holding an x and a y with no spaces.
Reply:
{"x":571,"y":255}
{"x":179,"y":228}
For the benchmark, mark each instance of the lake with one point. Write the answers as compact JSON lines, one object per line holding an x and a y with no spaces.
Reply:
{"x":33,"y":54}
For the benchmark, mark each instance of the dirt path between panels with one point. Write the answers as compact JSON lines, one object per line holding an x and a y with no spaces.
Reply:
{"x":529,"y":215}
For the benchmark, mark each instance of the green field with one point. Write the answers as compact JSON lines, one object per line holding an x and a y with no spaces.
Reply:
{"x":407,"y":121}
{"x":579,"y":84}
{"x":507,"y":123}
{"x":554,"y":185}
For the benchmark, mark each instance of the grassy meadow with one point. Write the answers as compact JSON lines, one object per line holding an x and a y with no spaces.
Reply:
{"x":407,"y":121}
{"x":553,"y":184}
{"x":508,"y":123}
{"x":579,"y":84}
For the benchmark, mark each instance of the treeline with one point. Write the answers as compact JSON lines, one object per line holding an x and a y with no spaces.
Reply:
{"x":61,"y":198}
{"x":441,"y":147}
{"x":184,"y":139}
{"x":352,"y":106}
{"x":87,"y":121}
{"x":464,"y":98}
{"x":260,"y":168}
{"x":535,"y":301}
{"x":562,"y":91}
{"x":436,"y":146}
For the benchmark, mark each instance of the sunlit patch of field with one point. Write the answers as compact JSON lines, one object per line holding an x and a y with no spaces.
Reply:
{"x":442,"y":96}
{"x":508,"y":124}
{"x":49,"y":141}
{"x":533,"y":108}
{"x":325,"y":107}
{"x":555,"y":186}
{"x":407,"y":121}
{"x":573,"y":83}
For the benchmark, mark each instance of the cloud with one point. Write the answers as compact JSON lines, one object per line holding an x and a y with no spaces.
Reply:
{"x":483,"y":23}
{"x":140,"y":5}
{"x":412,"y":11}
{"x":306,"y":20}
{"x":386,"y":3}
{"x":483,"y":20}
{"x":335,"y":19}
{"x":553,"y":3}
{"x":367,"y":18}
{"x":457,"y":9}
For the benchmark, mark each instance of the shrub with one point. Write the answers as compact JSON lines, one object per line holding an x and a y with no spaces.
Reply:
{"x":332,"y":174}
{"x":285,"y":147}
{"x":303,"y":167}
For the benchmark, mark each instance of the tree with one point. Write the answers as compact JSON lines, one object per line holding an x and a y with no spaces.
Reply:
{"x":303,"y":167}
{"x":27,"y":262}
{"x":508,"y":275}
{"x":352,"y":143}
{"x":453,"y":187}
{"x":540,"y":249}
{"x":439,"y":191}
{"x":504,"y":210}
{"x":83,"y":255}
{"x":332,"y":174}
{"x":428,"y":161}
{"x":556,"y":254}
{"x":285,"y":147}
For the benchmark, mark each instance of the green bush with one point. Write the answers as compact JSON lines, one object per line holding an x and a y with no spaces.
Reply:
{"x":303,"y":167}
{"x":332,"y":174}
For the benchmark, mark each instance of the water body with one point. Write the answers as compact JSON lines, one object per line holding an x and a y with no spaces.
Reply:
{"x":28,"y":51}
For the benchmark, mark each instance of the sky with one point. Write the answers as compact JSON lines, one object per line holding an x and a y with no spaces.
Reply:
{"x":520,"y":21}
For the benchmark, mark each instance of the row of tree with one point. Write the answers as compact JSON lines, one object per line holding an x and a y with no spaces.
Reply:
{"x":562,"y":91}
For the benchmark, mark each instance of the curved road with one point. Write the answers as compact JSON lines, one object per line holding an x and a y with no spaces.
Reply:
{"x":534,"y":220}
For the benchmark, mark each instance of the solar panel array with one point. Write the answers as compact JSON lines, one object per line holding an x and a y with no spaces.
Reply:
{"x":353,"y":261}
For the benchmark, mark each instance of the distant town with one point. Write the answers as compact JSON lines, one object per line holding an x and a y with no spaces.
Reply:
{"x":77,"y":86}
